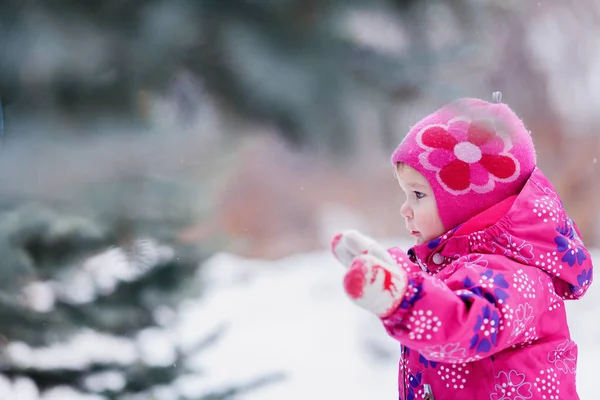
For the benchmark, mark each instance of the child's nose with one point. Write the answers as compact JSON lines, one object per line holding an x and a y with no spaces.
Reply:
{"x":406,"y":210}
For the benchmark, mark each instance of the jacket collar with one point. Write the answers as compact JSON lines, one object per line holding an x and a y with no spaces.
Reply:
{"x":434,"y":255}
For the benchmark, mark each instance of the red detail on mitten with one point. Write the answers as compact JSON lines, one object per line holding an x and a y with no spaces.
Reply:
{"x":334,"y":242}
{"x":375,"y":286}
{"x":387,"y":282}
{"x":355,"y":280}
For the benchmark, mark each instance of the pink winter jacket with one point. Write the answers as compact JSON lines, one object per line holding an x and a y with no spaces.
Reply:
{"x":483,"y":316}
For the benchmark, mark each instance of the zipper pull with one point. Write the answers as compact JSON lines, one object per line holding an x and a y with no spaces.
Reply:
{"x":427,"y":393}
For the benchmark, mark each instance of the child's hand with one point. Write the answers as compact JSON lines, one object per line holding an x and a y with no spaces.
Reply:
{"x":346,"y":246}
{"x":373,"y":281}
{"x":375,"y":285}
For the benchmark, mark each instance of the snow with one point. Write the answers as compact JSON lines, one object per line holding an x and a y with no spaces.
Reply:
{"x":286,"y":319}
{"x":83,"y":349}
{"x":292,"y":317}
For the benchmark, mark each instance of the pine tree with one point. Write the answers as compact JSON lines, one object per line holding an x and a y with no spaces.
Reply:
{"x":86,"y":176}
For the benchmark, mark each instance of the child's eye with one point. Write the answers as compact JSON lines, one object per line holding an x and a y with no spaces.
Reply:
{"x":419,"y":195}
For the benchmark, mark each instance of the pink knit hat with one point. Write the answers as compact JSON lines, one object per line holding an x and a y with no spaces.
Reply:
{"x":473,"y":153}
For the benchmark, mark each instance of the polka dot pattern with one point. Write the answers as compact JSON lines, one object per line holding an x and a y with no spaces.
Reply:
{"x":525,"y":344}
{"x":549,"y":262}
{"x":487,"y":282}
{"x":531,"y":334}
{"x":547,"y":209}
{"x":423,"y":324}
{"x":477,"y":240}
{"x":548,"y":283}
{"x":556,"y":302}
{"x":524,"y":285}
{"x":488,"y":327}
{"x":508,"y":314}
{"x":454,"y":375}
{"x":403,"y":260}
{"x":474,"y":358}
{"x":568,"y":295}
{"x":548,"y":384}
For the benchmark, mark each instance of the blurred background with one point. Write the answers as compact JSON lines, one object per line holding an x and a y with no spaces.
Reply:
{"x":171,"y":172}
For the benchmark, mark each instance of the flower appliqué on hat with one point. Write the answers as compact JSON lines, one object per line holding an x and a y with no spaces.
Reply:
{"x":468,"y":155}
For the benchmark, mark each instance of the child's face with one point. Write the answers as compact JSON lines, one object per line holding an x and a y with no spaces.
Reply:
{"x":420,"y":210}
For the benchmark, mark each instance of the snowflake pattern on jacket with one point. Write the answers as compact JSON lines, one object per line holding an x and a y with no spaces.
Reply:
{"x":483,"y":316}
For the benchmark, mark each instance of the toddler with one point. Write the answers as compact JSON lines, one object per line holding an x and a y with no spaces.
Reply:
{"x":478,"y":303}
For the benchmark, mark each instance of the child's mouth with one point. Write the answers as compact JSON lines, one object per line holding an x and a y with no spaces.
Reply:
{"x":415,"y":233}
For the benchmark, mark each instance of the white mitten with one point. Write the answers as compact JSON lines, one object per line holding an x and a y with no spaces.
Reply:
{"x":373,"y":281}
{"x":347,"y":245}
{"x":375,"y":285}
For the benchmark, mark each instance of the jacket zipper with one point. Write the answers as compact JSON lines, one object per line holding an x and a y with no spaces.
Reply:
{"x":403,"y":354}
{"x":427,"y":392}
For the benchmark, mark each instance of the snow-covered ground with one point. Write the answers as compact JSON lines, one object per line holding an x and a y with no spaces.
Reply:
{"x":291,"y":316}
{"x":288,"y":318}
